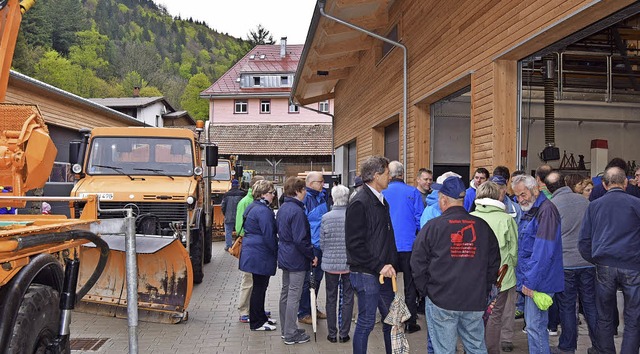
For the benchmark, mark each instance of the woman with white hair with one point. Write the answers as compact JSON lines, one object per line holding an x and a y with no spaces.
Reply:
{"x":334,"y":264}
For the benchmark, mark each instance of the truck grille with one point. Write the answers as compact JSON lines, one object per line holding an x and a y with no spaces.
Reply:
{"x":166,"y":212}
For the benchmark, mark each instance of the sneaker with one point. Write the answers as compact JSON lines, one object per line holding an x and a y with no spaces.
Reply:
{"x":265,"y":327}
{"x":244,"y":318}
{"x":556,"y":350}
{"x":271,"y":321}
{"x":411,"y":327}
{"x":552,"y":332}
{"x":299,"y":330}
{"x":524,"y":329}
{"x":592,"y":350}
{"x":306,"y":319}
{"x":519,"y":314}
{"x":267,"y":313}
{"x":297,"y":339}
{"x":320,"y":315}
{"x":344,"y":339}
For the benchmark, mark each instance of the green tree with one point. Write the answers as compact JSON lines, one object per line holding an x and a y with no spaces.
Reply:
{"x":260,"y":36}
{"x":191,"y":101}
{"x":90,"y":50}
{"x":150,"y":91}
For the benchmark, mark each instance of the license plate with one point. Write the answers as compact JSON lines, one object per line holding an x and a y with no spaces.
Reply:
{"x":101,"y":196}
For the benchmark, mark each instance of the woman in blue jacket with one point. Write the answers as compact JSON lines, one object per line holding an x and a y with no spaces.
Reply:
{"x":260,"y":251}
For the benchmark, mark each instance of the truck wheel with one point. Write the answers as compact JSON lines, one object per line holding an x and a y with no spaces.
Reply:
{"x":208,"y":244}
{"x":197,"y":252}
{"x":37,"y":322}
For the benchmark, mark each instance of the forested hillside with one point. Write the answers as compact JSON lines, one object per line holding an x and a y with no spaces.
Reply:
{"x":103,"y":48}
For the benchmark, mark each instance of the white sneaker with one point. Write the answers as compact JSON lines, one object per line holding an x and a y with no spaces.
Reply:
{"x":265,"y":327}
{"x":271,"y":321}
{"x":552,"y":332}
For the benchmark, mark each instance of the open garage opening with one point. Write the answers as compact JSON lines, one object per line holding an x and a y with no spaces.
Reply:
{"x":581,"y":96}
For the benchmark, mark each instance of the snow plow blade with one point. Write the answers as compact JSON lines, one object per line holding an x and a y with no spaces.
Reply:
{"x":165,"y":280}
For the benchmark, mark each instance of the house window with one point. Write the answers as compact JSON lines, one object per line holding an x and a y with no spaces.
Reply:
{"x":265,"y":106}
{"x":284,"y":81}
{"x":294,"y":109}
{"x":323,"y":106}
{"x":241,"y":107}
{"x":392,"y":35}
{"x":256,"y":81}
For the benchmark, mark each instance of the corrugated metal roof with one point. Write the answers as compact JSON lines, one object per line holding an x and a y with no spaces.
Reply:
{"x":128,"y":101}
{"x":271,"y":139}
{"x":272,"y":63}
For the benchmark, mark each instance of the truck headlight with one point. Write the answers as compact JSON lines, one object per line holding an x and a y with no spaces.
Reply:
{"x":197,"y":171}
{"x":191,"y":200}
{"x":76,"y":168}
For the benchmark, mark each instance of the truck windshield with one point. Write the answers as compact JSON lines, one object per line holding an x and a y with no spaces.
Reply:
{"x":222,"y":172}
{"x":140,"y":156}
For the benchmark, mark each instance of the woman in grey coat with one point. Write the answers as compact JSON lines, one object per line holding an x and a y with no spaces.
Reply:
{"x":334,"y":264}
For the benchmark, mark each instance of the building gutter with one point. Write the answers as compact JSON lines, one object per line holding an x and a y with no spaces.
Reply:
{"x":314,"y":23}
{"x":75,"y":98}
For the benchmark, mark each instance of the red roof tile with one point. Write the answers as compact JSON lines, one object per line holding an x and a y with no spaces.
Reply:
{"x":271,"y":139}
{"x":272,"y":63}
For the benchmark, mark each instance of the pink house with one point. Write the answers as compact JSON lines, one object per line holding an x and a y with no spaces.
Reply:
{"x":256,"y":90}
{"x":251,"y":117}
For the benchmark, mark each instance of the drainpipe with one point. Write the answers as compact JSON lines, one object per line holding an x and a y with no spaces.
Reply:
{"x":333,"y":133}
{"x":321,"y":4}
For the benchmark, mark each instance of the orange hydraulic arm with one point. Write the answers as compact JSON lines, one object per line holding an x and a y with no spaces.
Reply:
{"x":10,"y":17}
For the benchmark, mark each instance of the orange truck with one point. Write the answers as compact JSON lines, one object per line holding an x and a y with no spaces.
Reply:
{"x":158,"y":173}
{"x":39,"y":261}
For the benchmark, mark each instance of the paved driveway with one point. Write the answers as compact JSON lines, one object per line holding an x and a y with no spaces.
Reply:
{"x":213,"y":325}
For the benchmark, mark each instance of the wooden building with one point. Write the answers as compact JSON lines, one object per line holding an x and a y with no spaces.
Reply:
{"x":482,"y":55}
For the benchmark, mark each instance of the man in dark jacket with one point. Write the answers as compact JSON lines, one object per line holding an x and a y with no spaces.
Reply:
{"x":610,"y":239}
{"x":229,"y":208}
{"x":371,"y":251}
{"x":455,"y":261}
{"x":295,"y":255}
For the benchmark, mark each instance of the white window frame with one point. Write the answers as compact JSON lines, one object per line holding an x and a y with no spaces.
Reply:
{"x":323,"y":106}
{"x":294,"y":109}
{"x":239,"y":105}
{"x":265,"y":106}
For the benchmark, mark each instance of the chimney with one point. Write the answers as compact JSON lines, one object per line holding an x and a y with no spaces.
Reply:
{"x":283,"y":47}
{"x":136,"y":91}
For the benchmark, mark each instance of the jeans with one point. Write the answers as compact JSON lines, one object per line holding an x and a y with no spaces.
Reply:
{"x":578,"y":281}
{"x":228,"y":234}
{"x":608,"y":280}
{"x":537,"y":321}
{"x":410,"y":293}
{"x":497,"y":320}
{"x":289,"y":298}
{"x":305,"y":299}
{"x":371,"y":295}
{"x":257,"y":317}
{"x":333,"y":297}
{"x":446,"y":325}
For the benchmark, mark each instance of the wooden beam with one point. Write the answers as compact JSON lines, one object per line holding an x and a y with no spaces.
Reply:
{"x":315,"y":99}
{"x":333,"y":75}
{"x":344,"y":61}
{"x":348,"y":46}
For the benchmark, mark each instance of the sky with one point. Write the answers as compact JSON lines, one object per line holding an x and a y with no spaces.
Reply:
{"x":282,"y":18}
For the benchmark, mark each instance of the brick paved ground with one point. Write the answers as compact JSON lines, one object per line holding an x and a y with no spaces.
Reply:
{"x":213,"y":325}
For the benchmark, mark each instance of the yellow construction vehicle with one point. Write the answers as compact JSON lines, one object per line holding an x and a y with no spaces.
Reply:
{"x":157,"y":172}
{"x":38,"y":253}
{"x":221,"y":176}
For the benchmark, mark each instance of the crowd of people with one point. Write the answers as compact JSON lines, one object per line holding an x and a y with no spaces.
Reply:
{"x":472,"y":258}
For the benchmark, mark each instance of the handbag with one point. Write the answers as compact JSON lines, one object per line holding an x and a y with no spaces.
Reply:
{"x":235,"y":249}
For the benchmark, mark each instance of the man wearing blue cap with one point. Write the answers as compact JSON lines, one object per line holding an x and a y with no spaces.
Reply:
{"x":455,"y":267}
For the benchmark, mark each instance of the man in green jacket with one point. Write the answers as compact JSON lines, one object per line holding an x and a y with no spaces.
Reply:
{"x":247,"y":281}
{"x":490,"y":208}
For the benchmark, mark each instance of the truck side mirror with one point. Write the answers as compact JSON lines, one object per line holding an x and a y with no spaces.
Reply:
{"x":74,"y":151}
{"x":211,"y":152}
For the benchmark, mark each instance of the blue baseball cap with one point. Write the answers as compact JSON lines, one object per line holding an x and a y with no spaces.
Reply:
{"x":234,"y":183}
{"x":451,"y":187}
{"x":499,"y":180}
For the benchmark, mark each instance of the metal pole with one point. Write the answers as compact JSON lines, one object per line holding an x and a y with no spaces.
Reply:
{"x":321,"y":4}
{"x":609,"y":79}
{"x":132,"y":281}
